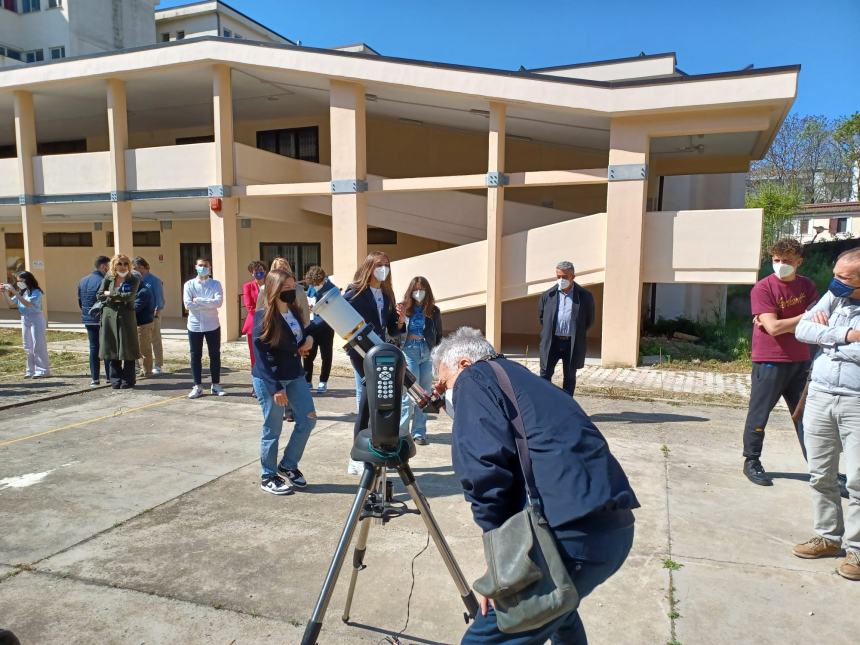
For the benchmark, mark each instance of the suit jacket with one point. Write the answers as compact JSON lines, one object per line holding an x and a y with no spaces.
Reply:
{"x":250,"y":292}
{"x":582,"y":317}
{"x":365,"y":304}
{"x":282,"y":362}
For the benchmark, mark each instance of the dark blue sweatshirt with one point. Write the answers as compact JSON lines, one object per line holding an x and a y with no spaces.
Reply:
{"x":274,"y":364}
{"x":578,"y":479}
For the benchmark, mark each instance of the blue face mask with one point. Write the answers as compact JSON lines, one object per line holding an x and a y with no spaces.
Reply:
{"x":840,"y":289}
{"x":259,"y":275}
{"x":202,"y":271}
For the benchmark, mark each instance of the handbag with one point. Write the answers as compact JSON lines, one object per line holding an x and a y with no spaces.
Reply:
{"x":526,"y":576}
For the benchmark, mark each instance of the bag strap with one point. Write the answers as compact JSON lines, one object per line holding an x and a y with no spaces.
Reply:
{"x":521,"y":441}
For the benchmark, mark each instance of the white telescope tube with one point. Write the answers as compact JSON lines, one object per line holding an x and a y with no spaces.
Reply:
{"x":340,"y":316}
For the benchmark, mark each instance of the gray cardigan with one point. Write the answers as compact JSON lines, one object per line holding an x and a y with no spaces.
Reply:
{"x":836,"y":369}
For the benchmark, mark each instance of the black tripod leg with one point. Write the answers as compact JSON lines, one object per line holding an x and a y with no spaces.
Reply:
{"x":368,"y":480}
{"x":417,"y":496}
{"x":357,"y":563}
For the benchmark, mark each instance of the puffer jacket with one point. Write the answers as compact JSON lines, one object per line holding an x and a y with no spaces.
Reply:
{"x":836,"y":370}
{"x":88,"y":289}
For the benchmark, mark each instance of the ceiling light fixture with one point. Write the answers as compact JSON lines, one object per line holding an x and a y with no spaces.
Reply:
{"x":410,"y":121}
{"x":370,"y":97}
{"x":483,"y":113}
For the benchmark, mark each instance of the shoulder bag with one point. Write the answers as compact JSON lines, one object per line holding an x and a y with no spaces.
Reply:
{"x":526,"y":575}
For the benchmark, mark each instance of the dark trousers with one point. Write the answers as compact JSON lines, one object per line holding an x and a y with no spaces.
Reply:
{"x":95,"y":361}
{"x":770,"y":381}
{"x":121,"y":373}
{"x":586,"y":574}
{"x":560,"y":350}
{"x":213,"y":346}
{"x":323,"y":342}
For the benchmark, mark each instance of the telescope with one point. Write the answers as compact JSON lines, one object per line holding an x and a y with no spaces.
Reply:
{"x":358,"y":334}
{"x":380,"y":447}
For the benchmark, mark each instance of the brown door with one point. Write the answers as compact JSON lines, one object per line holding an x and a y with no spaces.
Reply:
{"x":188,"y":254}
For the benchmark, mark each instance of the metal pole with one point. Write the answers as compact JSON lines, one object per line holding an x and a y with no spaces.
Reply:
{"x":368,"y":479}
{"x":357,"y":563}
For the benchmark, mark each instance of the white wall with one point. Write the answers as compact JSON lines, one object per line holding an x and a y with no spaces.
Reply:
{"x":104,"y":25}
{"x":698,"y":192}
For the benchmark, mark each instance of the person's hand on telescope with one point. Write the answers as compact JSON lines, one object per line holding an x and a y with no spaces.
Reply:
{"x":281,"y":399}
{"x":486,"y":603}
{"x":306,"y":347}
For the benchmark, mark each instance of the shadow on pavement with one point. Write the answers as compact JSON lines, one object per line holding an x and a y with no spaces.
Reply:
{"x":643,"y":417}
{"x":801,"y":477}
{"x":388,"y":632}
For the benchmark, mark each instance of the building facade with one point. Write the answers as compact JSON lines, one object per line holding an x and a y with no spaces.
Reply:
{"x":479,"y":179}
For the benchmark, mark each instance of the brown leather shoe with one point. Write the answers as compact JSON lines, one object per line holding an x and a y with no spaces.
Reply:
{"x":817,"y":547}
{"x":850,"y":569}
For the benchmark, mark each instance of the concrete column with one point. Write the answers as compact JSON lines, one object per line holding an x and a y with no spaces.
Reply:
{"x":625,"y":219}
{"x":117,"y":114}
{"x":223,"y":223}
{"x":31,"y":214}
{"x":495,"y":225}
{"x":348,"y":162}
{"x":2,"y":254}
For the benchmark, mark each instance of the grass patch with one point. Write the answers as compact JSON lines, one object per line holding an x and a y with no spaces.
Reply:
{"x":671,"y":565}
{"x":718,"y":346}
{"x":13,"y":359}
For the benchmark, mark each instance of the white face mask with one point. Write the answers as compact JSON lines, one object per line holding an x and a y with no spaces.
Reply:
{"x":419,"y":295}
{"x":449,"y":402}
{"x":122,"y":274}
{"x":782,"y":270}
{"x":22,"y":285}
{"x":563,"y":283}
{"x":380,"y":273}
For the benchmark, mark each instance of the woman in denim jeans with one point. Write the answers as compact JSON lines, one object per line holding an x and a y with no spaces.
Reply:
{"x":421,"y":323}
{"x":281,"y":340}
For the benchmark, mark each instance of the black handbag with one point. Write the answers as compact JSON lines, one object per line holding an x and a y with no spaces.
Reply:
{"x":526,"y":575}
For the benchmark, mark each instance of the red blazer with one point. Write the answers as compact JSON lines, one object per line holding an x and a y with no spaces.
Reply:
{"x":250,"y":291}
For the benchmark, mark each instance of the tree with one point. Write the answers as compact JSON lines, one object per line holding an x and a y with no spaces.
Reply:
{"x":780,"y":204}
{"x":847,"y":138}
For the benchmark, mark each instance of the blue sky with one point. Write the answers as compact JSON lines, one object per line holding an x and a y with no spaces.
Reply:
{"x":821,"y":35}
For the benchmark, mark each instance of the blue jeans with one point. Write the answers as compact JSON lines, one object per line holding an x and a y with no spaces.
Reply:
{"x":607,"y":551}
{"x":302,"y":404}
{"x":95,"y":362}
{"x":418,"y":362}
{"x":213,"y":345}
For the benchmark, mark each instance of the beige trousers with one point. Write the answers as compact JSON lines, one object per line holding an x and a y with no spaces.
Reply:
{"x":144,"y":338}
{"x":157,"y":349}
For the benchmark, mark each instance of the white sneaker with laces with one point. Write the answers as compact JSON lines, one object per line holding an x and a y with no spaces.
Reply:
{"x":156,"y":370}
{"x":322,"y":387}
{"x":355,"y":467}
{"x":217,"y":390}
{"x":196,"y":392}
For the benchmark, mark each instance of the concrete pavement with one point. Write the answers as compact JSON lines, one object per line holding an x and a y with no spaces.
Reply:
{"x":136,"y":517}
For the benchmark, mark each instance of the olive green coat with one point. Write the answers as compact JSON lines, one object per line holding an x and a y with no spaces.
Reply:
{"x":118,"y":334}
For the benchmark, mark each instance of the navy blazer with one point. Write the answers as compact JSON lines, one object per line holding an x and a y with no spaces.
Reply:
{"x":575,"y":473}
{"x":365,"y":304}
{"x":582,"y":317}
{"x":281,"y":363}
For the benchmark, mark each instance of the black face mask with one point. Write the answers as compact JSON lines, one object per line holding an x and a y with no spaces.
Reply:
{"x":288,"y":296}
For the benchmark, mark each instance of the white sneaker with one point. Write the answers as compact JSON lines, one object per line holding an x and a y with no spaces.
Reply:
{"x":217,"y":390}
{"x":156,"y":370}
{"x":322,"y":387}
{"x":196,"y":392}
{"x":355,"y":467}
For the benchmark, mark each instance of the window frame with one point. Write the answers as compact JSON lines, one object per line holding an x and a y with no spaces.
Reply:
{"x":55,"y":4}
{"x":228,"y":33}
{"x":60,"y":48}
{"x":38,"y":56}
{"x":13,"y":8}
{"x":139,"y":239}
{"x":31,"y":6}
{"x":278,"y":136}
{"x":180,"y":35}
{"x":68,"y":239}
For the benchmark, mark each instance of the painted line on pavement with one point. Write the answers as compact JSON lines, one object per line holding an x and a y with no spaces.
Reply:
{"x":89,"y":421}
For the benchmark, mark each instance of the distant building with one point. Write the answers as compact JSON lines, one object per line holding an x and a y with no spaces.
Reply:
{"x":824,"y":222}
{"x":219,"y":137}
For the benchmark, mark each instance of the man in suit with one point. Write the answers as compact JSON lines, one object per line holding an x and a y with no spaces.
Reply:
{"x":566,"y":311}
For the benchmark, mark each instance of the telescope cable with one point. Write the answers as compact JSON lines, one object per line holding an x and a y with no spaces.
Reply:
{"x":395,"y":640}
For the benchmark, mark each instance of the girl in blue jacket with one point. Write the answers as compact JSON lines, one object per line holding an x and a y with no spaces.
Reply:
{"x":27,"y":296}
{"x":280,"y":343}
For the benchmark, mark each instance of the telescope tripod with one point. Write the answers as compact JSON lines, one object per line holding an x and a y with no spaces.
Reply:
{"x":364,"y":511}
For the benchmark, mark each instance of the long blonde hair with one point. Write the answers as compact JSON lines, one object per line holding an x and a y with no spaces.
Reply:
{"x":119,"y":257}
{"x":364,"y":274}
{"x":282,"y":264}
{"x":271,"y":328}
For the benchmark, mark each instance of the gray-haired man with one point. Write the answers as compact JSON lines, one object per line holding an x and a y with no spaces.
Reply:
{"x":831,"y":419}
{"x":565,"y":312}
